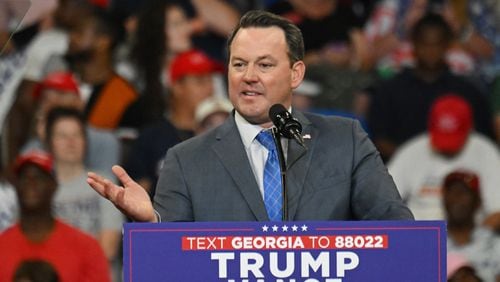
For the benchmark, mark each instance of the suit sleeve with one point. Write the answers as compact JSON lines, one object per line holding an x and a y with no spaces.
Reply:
{"x":374,"y":194}
{"x":172,"y":200}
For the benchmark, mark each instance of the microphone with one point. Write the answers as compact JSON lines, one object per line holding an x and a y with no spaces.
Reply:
{"x":287,"y":125}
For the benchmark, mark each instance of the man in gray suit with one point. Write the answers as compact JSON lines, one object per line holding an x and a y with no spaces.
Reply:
{"x":219,"y":176}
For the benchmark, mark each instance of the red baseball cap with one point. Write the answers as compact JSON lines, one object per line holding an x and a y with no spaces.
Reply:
{"x":41,"y":159}
{"x":470,"y":179}
{"x":450,"y":122}
{"x":63,"y":81}
{"x":192,"y":62}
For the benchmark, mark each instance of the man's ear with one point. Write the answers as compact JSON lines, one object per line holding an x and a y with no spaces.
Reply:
{"x":298,"y":72}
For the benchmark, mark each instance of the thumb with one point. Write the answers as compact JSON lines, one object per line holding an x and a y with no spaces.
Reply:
{"x":122,"y":175}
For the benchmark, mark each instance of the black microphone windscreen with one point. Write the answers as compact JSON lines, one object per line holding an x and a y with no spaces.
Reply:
{"x":275,"y":111}
{"x":287,"y":125}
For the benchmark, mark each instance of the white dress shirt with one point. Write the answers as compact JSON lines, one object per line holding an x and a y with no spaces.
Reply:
{"x":256,"y":152}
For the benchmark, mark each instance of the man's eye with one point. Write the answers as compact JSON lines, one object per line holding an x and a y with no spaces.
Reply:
{"x":265,"y":65}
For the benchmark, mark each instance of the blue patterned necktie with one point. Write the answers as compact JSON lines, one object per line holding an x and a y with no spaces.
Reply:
{"x":272,"y":177}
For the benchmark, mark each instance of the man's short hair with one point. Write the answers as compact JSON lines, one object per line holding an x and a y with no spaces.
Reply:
{"x":104,"y":24}
{"x":432,"y":20}
{"x":259,"y":18}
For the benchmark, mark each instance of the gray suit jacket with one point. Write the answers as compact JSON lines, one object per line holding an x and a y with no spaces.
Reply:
{"x":339,"y":177}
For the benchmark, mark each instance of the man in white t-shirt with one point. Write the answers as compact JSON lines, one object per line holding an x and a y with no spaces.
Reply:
{"x":420,"y":165}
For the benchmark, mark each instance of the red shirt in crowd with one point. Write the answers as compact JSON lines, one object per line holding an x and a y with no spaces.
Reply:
{"x":74,"y":255}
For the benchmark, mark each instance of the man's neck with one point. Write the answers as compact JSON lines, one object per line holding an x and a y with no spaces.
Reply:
{"x":37,"y":226}
{"x":429,"y":75}
{"x":461,"y":234}
{"x":97,"y":71}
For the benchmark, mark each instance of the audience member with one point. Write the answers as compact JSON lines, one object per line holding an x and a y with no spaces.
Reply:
{"x":399,"y":106}
{"x":35,"y":270}
{"x":90,"y":56}
{"x":479,"y":245}
{"x":471,"y":53}
{"x":482,"y":36}
{"x":335,"y":54}
{"x":54,"y":41}
{"x":211,"y":112}
{"x":162,"y":32}
{"x":39,"y":235}
{"x":420,"y":165}
{"x":212,"y":21}
{"x":388,"y":33}
{"x":328,"y":28}
{"x":60,"y":89}
{"x":73,"y":202}
{"x":190,"y":82}
{"x":57,"y":89}
{"x":50,"y":42}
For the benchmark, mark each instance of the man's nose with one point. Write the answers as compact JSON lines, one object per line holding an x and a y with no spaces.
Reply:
{"x":250,"y":74}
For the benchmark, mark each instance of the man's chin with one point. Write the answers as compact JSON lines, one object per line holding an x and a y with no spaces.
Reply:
{"x":262,"y":121}
{"x":254,"y":114}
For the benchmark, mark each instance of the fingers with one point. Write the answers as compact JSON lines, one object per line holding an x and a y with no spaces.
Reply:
{"x":97,"y":183}
{"x":122,"y":175}
{"x":104,"y":186}
{"x":129,"y":199}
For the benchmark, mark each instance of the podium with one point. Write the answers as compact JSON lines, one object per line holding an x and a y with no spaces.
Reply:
{"x":337,"y":251}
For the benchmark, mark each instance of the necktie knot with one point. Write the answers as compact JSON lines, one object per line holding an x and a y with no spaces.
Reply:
{"x":266,"y":139}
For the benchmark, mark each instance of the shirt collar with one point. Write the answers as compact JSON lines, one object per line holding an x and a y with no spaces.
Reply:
{"x":248,"y":131}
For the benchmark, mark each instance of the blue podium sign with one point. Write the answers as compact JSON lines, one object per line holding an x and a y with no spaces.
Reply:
{"x":336,"y":251}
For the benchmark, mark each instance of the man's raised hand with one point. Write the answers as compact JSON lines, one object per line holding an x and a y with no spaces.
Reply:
{"x":131,"y":199}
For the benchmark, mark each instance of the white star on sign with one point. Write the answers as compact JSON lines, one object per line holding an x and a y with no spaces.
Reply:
{"x":265,"y":228}
{"x":284,"y":228}
{"x":295,"y":228}
{"x":275,"y":228}
{"x":304,"y":227}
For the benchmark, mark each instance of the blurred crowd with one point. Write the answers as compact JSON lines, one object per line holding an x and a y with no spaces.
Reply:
{"x":86,"y":84}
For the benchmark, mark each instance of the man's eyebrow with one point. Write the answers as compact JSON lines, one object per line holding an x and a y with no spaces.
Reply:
{"x":268,"y":57}
{"x":237,"y":58}
{"x":260,"y":58}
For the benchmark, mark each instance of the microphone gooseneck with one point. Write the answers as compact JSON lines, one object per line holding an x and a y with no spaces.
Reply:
{"x":287,"y":125}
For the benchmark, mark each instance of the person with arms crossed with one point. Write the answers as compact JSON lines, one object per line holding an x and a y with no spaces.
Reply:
{"x":219,"y":176}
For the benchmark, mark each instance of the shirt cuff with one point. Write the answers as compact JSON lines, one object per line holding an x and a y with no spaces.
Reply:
{"x":158,"y":216}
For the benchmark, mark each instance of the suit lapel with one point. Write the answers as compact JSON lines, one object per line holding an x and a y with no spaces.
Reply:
{"x":230,"y":150}
{"x":298,"y":163}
